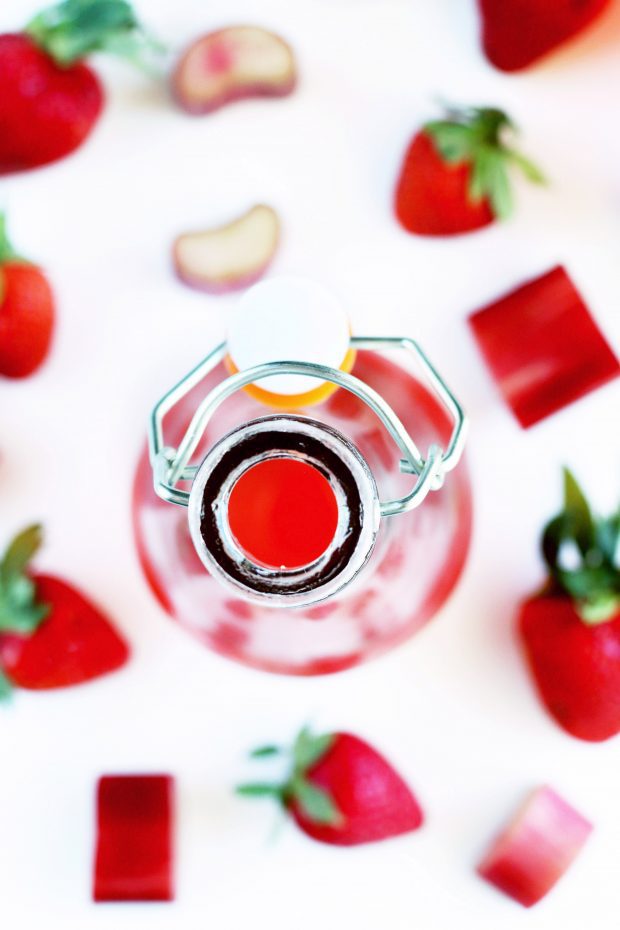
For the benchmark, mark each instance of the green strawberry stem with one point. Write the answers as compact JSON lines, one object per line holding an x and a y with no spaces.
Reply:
{"x":479,"y":137}
{"x":582,"y":553}
{"x":316,"y":803}
{"x":72,"y":29}
{"x":6,"y":687}
{"x":7,"y":252}
{"x":20,"y":611}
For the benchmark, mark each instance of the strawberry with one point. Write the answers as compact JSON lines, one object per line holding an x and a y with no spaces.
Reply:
{"x":571,"y":630}
{"x":50,"y":99}
{"x":455,"y":174}
{"x":51,"y":636}
{"x":516,"y":33}
{"x":340,"y":790}
{"x":26,"y":312}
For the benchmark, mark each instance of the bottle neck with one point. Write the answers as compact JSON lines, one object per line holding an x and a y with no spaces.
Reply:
{"x":217,"y":526}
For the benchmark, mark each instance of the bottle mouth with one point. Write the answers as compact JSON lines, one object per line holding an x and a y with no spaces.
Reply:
{"x":284,"y":510}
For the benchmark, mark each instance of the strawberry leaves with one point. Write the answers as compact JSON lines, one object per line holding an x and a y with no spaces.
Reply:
{"x":309,"y":748}
{"x":316,"y":803}
{"x":6,"y":688}
{"x":583,"y":554}
{"x":476,"y":137}
{"x":73,"y":29}
{"x":7,"y":252}
{"x":19,"y":611}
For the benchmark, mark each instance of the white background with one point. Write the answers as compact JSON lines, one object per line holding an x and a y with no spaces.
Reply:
{"x":454,"y":708}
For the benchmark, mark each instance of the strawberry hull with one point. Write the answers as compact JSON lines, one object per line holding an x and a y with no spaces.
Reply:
{"x":536,"y":849}
{"x":543,"y":347}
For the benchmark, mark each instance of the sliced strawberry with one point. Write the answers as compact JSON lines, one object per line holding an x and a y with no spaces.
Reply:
{"x":50,"y":99}
{"x":51,"y":636}
{"x":543,"y":347}
{"x":26,"y":312}
{"x":536,"y":849}
{"x":516,"y":33}
{"x":341,"y":791}
{"x":571,"y":632}
{"x":134,"y":854}
{"x":455,"y":176}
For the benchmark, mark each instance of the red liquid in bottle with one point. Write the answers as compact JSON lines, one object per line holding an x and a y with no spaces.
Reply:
{"x":412,"y":572}
{"x":283,"y":513}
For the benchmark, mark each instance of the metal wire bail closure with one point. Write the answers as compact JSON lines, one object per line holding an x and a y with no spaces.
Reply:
{"x":171,"y":466}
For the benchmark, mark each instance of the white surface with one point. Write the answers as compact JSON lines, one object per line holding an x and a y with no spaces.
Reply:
{"x":454,"y":708}
{"x":290,"y":318}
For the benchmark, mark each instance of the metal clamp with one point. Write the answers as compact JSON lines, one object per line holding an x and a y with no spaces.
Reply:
{"x":172,"y":465}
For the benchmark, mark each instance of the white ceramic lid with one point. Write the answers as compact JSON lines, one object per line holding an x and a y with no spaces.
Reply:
{"x":288,"y":319}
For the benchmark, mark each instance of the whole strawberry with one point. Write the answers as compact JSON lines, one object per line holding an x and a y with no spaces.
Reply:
{"x":26,"y":312}
{"x":516,"y":33}
{"x":340,"y":790}
{"x":455,"y":177}
{"x":571,"y":631}
{"x":51,"y":636}
{"x":50,"y":98}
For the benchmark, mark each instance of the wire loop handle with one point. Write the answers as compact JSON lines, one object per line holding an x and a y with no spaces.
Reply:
{"x":172,"y":465}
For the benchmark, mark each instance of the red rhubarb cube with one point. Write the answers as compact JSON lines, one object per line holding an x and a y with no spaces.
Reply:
{"x":543,"y":347}
{"x":536,"y":849}
{"x":134,"y":855}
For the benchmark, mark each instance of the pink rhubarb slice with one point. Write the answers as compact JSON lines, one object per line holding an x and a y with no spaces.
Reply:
{"x":536,"y":849}
{"x":236,"y":63}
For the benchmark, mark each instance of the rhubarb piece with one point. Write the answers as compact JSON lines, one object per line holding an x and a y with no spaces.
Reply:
{"x":228,"y":257}
{"x":543,"y":347}
{"x":536,"y":849}
{"x":134,"y":855}
{"x":233,"y":64}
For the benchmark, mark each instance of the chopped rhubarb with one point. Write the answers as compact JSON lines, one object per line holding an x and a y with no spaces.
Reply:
{"x":536,"y":849}
{"x":135,"y":819}
{"x":235,"y":63}
{"x":543,"y":347}
{"x":229,"y":257}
